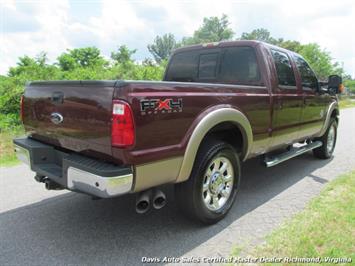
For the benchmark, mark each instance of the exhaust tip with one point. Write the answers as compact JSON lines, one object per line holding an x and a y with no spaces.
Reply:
{"x":159,"y":203}
{"x":142,"y":206}
{"x":143,"y":201}
{"x":159,"y":199}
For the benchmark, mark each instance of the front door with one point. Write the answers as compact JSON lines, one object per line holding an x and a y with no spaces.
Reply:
{"x":287,"y":101}
{"x":314,"y":104}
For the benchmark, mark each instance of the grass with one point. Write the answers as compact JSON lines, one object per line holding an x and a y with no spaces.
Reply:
{"x":7,"y":154}
{"x":326,"y":228}
{"x":347,"y":103}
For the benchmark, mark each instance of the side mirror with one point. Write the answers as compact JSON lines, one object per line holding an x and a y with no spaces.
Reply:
{"x":335,"y":85}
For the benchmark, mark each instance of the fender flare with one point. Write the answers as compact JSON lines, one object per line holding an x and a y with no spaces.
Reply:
{"x":208,"y":122}
{"x":333,"y":106}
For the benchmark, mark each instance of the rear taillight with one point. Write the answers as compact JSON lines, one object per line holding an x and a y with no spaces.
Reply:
{"x":122,"y":131}
{"x":21,"y":108}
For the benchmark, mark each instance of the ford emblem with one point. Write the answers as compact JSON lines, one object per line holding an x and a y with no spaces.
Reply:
{"x":56,"y":118}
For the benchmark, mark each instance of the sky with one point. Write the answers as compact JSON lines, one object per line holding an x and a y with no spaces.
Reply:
{"x":29,"y":27}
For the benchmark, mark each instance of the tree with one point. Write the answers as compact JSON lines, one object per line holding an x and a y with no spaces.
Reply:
{"x":23,"y":64}
{"x":41,"y":58}
{"x":33,"y":68}
{"x":290,"y":45}
{"x":320,"y":60}
{"x":213,"y":29}
{"x":260,"y":34}
{"x":81,"y":57}
{"x":123,"y":55}
{"x":162,"y":47}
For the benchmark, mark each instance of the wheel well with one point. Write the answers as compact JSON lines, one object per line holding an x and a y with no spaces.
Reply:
{"x":229,"y":133}
{"x":335,"y":114}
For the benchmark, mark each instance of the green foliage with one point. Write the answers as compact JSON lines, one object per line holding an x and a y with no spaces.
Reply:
{"x":7,"y":133}
{"x":260,"y":34}
{"x":77,"y":64}
{"x":350,"y":84}
{"x":123,"y":55}
{"x":213,"y":29}
{"x":290,"y":45}
{"x":325,"y":228}
{"x":162,"y":47}
{"x":318,"y":58}
{"x":8,"y":122}
{"x":81,"y":57}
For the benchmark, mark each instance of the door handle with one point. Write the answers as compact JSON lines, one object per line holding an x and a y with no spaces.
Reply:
{"x":57,"y":97}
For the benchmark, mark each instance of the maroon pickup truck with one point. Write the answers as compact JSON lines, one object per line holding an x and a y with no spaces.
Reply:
{"x":219,"y":105}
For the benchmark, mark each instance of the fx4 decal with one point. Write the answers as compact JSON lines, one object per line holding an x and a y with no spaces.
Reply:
{"x":155,"y":106}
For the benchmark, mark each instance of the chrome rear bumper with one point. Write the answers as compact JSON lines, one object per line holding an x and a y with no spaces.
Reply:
{"x":74,"y":171}
{"x":22,"y":154}
{"x":103,"y":187}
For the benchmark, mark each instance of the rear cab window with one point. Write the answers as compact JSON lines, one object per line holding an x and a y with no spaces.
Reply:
{"x":239,"y":65}
{"x":183,"y":67}
{"x":207,"y":66}
{"x":226,"y":65}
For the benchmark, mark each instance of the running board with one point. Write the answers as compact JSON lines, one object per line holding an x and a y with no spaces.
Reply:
{"x":276,"y":159}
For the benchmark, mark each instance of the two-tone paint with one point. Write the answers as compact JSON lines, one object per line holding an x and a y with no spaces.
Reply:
{"x":268,"y":116}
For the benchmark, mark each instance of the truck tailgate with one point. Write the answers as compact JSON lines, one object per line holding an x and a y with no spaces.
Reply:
{"x":74,"y":115}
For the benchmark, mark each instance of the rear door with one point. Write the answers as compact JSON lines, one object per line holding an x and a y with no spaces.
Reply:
{"x":314,"y":103}
{"x":287,"y":100}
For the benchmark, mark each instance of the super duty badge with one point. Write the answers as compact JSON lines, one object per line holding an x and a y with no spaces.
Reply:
{"x":155,"y":106}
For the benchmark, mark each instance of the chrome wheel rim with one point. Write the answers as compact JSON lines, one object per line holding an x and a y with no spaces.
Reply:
{"x":217,"y":185}
{"x":331,"y":139}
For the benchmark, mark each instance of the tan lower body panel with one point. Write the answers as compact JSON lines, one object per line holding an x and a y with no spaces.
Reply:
{"x":156,"y":173}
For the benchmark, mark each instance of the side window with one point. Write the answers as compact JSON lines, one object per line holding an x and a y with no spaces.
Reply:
{"x":309,"y":79}
{"x":183,"y":67}
{"x":239,"y":65}
{"x":284,"y":69}
{"x":207,"y":66}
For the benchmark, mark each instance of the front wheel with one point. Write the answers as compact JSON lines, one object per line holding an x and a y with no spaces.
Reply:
{"x":328,"y":140}
{"x":211,"y":189}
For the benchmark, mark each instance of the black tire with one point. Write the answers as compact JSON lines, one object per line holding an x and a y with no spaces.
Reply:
{"x":325,"y":152}
{"x":190,"y":195}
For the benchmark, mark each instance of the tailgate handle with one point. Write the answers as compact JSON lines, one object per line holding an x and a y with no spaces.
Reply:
{"x":57,"y":97}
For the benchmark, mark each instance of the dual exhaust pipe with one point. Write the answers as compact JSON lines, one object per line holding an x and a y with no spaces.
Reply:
{"x":150,"y":198}
{"x":145,"y":200}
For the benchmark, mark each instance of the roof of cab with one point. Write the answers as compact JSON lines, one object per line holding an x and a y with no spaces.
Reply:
{"x":219,"y":44}
{"x":252,"y":43}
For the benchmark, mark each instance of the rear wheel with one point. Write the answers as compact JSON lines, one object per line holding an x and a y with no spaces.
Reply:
{"x":210,"y":191}
{"x":328,"y":140}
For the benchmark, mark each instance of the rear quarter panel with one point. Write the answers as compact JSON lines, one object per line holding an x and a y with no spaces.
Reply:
{"x":163,"y":135}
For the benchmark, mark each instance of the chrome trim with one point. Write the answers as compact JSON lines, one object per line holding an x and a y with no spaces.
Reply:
{"x":333,"y":106}
{"x":23,"y":154}
{"x":209,"y":121}
{"x":331,"y":139}
{"x":237,"y":86}
{"x":56,"y":118}
{"x":217,"y":185}
{"x":103,"y":187}
{"x":275,"y":160}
